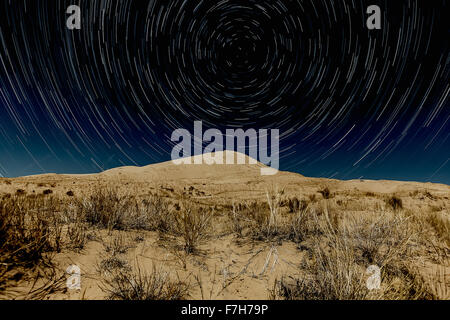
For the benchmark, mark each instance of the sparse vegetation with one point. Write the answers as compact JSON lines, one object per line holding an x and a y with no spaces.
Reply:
{"x":142,"y":285}
{"x":325,"y":192}
{"x":193,"y":225}
{"x":395,"y":202}
{"x":337,"y":237}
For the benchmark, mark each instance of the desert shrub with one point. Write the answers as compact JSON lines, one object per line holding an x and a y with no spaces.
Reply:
{"x":112,"y":263}
{"x":380,"y":239}
{"x":105,"y":208}
{"x":395,"y":203}
{"x":325,"y":192}
{"x":304,"y":224}
{"x":77,"y":234}
{"x":293,"y":204}
{"x":116,"y":245}
{"x":29,"y":227}
{"x":274,"y":199}
{"x":151,"y":214}
{"x":47,"y":191}
{"x":70,"y":193}
{"x":339,"y":257}
{"x":20,"y":192}
{"x":192,"y":224}
{"x":331,"y":275}
{"x":142,"y":285}
{"x":296,"y":205}
{"x":440,"y":225}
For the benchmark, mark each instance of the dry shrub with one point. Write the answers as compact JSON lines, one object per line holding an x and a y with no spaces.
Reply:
{"x":77,"y":235}
{"x":304,"y":224}
{"x":70,"y":193}
{"x":440,"y":224}
{"x":274,"y":200}
{"x":150,"y":214}
{"x":142,"y":285}
{"x":116,"y":245}
{"x":296,"y":205}
{"x":105,"y":208}
{"x":192,"y":224}
{"x":395,"y":203}
{"x":325,"y":192}
{"x":380,"y":238}
{"x":340,"y":255}
{"x":47,"y":191}
{"x":330,"y":275}
{"x":28,"y":229}
{"x":112,"y":263}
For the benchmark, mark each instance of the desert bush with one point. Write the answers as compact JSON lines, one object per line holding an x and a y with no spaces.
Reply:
{"x":325,"y":192}
{"x":304,"y":224}
{"x":105,"y":208}
{"x":112,"y":263}
{"x":331,"y":274}
{"x":395,"y":203}
{"x":192,"y":224}
{"x":380,"y":238}
{"x":27,"y":229}
{"x":77,"y":235}
{"x":340,"y":256}
{"x":296,"y":205}
{"x":47,"y":191}
{"x":274,"y":199}
{"x":70,"y":193}
{"x":440,"y":225}
{"x":116,"y":244}
{"x":142,"y":285}
{"x":150,"y":214}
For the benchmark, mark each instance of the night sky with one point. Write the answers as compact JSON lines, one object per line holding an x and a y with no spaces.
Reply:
{"x":349,"y":102}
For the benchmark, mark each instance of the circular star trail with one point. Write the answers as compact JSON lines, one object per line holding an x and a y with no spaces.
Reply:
{"x":349,"y":102}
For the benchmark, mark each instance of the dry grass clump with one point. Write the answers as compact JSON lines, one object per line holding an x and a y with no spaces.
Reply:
{"x":325,"y":192}
{"x":440,"y":225}
{"x":143,"y":285}
{"x":105,"y":208}
{"x":150,"y":214}
{"x":331,"y":274}
{"x":341,"y":253}
{"x":395,"y":202}
{"x":28,"y":229}
{"x":193,"y":225}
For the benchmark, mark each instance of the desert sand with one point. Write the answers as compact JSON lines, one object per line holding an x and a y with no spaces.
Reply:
{"x":239,"y":254}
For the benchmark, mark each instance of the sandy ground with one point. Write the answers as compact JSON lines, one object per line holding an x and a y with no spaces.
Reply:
{"x":226,"y":267}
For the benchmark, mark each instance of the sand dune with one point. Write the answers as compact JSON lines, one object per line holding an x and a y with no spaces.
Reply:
{"x":237,"y":244}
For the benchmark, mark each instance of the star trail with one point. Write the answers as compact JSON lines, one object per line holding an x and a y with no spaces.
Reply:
{"x":349,"y":102}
